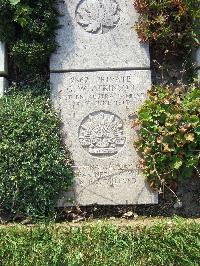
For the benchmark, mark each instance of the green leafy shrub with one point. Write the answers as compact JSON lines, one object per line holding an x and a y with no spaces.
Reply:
{"x":34,"y":168}
{"x":170,"y":22}
{"x":169,"y":135}
{"x":28,"y":28}
{"x":172,"y":29}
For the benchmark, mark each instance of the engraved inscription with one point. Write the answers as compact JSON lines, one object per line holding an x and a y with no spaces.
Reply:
{"x":114,"y":175}
{"x":101,"y":134}
{"x":103,"y":91}
{"x":98,"y":16}
{"x":109,"y":181}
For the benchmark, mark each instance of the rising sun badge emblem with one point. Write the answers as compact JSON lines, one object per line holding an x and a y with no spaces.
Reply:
{"x":101,"y":134}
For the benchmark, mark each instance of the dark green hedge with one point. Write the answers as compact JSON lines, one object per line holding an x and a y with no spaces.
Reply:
{"x":28,"y":28}
{"x":34,"y":168}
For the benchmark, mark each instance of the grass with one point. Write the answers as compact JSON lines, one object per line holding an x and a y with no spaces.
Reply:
{"x":171,"y":242}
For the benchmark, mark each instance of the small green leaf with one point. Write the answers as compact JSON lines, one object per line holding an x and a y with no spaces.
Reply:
{"x":177,"y":163}
{"x":14,"y":2}
{"x":22,"y":21}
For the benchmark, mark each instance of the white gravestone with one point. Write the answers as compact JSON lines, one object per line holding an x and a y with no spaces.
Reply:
{"x":3,"y":85}
{"x":3,"y":65}
{"x":100,"y":75}
{"x":3,"y":69}
{"x":198,"y":62}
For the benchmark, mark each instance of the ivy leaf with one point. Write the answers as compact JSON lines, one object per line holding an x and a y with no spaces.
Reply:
{"x":22,"y":21}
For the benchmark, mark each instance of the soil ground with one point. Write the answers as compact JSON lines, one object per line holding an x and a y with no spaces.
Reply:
{"x":188,"y":193}
{"x":137,"y":222}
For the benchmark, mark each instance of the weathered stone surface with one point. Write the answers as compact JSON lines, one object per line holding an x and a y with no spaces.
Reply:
{"x":198,"y":73}
{"x":3,"y":65}
{"x":3,"y":85}
{"x":198,"y":62}
{"x":97,"y":109}
{"x":97,"y":105}
{"x":98,"y":34}
{"x":198,"y":58}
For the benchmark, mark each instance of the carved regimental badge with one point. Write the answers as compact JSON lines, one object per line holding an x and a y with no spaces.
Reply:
{"x":98,"y":16}
{"x":101,"y":134}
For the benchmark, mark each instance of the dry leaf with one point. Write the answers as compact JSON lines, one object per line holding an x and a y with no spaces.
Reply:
{"x":190,"y":137}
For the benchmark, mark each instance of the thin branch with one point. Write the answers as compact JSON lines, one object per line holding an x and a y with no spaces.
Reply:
{"x":162,"y":181}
